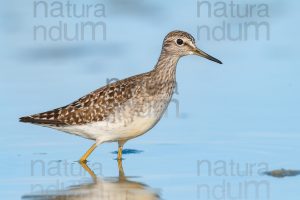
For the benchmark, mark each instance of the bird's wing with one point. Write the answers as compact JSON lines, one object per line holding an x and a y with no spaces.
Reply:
{"x":95,"y":106}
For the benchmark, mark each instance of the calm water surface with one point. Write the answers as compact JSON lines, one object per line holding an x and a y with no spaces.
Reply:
{"x":226,"y":127}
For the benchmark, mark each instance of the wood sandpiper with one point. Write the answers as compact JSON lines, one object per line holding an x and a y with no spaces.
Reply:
{"x":127,"y":108}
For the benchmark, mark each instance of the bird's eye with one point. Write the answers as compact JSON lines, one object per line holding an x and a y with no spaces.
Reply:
{"x":179,"y":42}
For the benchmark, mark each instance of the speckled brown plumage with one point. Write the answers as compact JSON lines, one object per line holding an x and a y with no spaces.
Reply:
{"x":127,"y":108}
{"x":95,"y":106}
{"x":99,"y":104}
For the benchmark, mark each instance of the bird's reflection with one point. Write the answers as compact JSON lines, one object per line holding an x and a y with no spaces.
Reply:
{"x":118,"y":188}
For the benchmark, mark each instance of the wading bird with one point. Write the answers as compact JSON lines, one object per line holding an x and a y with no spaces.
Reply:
{"x":127,"y":108}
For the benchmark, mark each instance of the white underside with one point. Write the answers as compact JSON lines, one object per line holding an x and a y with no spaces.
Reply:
{"x":105,"y":131}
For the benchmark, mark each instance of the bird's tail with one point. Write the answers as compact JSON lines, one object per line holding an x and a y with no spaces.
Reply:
{"x":36,"y":120}
{"x":26,"y":119}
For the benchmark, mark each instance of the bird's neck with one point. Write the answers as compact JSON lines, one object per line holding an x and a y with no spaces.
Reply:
{"x":165,"y":69}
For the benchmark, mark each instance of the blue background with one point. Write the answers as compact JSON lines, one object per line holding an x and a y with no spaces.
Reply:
{"x":246,"y":110}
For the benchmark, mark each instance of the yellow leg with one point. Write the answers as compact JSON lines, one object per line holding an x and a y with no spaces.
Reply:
{"x":120,"y":153}
{"x":120,"y":149}
{"x":86,"y":155}
{"x":121,"y":171}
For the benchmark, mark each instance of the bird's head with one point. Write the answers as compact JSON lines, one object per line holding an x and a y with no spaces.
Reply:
{"x":181,"y":43}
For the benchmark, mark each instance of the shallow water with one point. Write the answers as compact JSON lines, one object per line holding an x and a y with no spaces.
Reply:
{"x":226,"y":126}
